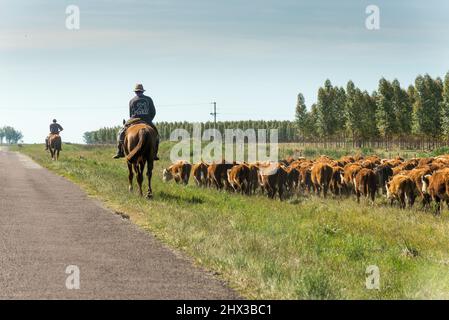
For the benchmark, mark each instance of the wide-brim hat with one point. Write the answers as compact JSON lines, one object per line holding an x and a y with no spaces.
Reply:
{"x":139,"y":88}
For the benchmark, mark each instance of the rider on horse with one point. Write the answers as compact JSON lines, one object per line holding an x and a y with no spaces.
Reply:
{"x":141,"y":110}
{"x":55,"y":128}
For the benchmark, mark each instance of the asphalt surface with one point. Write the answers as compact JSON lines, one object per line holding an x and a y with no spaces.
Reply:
{"x":48,"y":224}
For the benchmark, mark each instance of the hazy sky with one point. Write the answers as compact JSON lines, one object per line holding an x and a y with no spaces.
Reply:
{"x":252,"y":57}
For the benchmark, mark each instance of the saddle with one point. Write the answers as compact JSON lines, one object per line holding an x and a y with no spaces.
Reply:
{"x":134,"y":121}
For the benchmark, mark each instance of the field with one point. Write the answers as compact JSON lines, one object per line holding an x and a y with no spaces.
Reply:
{"x":303,"y":248}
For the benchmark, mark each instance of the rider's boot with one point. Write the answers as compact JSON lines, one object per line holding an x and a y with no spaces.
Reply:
{"x":120,"y":153}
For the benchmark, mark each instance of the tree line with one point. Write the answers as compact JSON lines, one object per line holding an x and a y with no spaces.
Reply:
{"x":287,"y":130}
{"x":10,"y":135}
{"x":391,"y":116}
{"x":390,"y":112}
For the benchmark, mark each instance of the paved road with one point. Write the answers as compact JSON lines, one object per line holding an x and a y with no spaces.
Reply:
{"x":42,"y":232}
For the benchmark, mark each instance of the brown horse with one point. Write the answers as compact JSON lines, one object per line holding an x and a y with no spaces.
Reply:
{"x":54,"y":145}
{"x":139,"y":147}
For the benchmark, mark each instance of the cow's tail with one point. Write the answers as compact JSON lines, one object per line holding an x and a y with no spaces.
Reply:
{"x":137,"y":151}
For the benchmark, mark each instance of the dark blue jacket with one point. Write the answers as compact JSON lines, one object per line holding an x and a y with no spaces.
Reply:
{"x":143,"y":108}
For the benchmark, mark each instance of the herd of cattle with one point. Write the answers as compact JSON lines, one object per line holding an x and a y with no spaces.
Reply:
{"x":398,"y":179}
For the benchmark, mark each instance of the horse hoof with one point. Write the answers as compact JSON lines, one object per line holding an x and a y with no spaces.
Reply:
{"x":149,"y":196}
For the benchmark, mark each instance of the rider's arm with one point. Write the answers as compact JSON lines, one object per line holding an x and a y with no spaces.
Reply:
{"x":152,"y":111}
{"x":60,"y":128}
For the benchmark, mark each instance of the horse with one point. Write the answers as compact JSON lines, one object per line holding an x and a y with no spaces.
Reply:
{"x":54,"y":145}
{"x":140,"y":148}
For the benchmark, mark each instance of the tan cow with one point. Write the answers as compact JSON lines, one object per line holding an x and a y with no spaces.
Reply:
{"x":273,"y":179}
{"x":179,"y":171}
{"x":436,"y":186}
{"x":217,"y":174}
{"x":238,"y":178}
{"x":200,"y":174}
{"x":365,"y":183}
{"x":403,"y":189}
{"x":321,"y":174}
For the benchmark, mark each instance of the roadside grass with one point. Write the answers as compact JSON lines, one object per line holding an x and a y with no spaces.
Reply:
{"x":303,"y":248}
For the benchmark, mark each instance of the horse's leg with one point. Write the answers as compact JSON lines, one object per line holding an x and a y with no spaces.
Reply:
{"x":130,"y":177}
{"x":149,"y":175}
{"x":139,"y":178}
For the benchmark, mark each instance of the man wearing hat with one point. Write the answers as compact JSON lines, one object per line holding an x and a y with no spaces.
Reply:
{"x":141,"y":109}
{"x":55,"y":128}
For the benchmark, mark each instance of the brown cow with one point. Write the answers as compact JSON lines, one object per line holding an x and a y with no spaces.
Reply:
{"x":383,"y":172}
{"x":436,"y":186}
{"x":416,"y":176}
{"x":217,"y":175}
{"x":305,"y":176}
{"x":368,"y":164}
{"x":373,"y":159}
{"x":350,"y":170}
{"x":179,"y":171}
{"x":253,"y":179}
{"x":321,"y":175}
{"x":425,"y":161}
{"x":238,"y":178}
{"x":401,"y":188}
{"x":292,"y":178}
{"x":337,"y":183}
{"x":200,"y":174}
{"x":273,"y":179}
{"x":365,"y":183}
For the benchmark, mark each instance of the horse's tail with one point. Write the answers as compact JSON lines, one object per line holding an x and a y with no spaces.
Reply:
{"x":137,"y":151}
{"x":58,"y":143}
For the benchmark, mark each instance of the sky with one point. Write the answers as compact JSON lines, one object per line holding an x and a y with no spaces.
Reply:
{"x":251,"y":57}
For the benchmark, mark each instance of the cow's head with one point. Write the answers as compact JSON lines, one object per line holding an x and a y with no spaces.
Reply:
{"x":167,"y":175}
{"x":425,"y":183}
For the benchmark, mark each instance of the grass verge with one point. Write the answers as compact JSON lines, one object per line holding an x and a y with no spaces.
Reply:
{"x":304,"y":248}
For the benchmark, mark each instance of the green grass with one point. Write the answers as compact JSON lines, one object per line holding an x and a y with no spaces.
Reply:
{"x":304,"y":248}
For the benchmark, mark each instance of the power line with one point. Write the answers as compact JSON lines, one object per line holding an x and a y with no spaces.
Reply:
{"x":106,"y":108}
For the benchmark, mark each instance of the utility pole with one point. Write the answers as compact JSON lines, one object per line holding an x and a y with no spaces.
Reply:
{"x":214,"y":114}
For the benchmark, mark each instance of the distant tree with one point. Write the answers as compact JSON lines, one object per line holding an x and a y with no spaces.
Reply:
{"x":11,"y":135}
{"x":339,"y":109}
{"x":369,"y":129}
{"x":385,"y":115}
{"x":301,"y":115}
{"x":312,"y":120}
{"x":2,"y":135}
{"x":326,"y":124}
{"x":403,"y":109}
{"x":353,"y":110}
{"x":427,"y":108}
{"x":445,"y":107}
